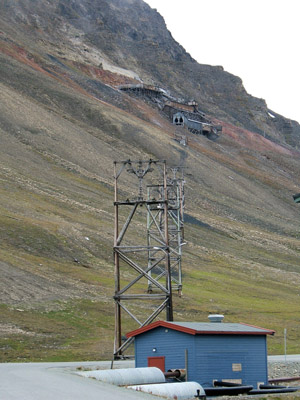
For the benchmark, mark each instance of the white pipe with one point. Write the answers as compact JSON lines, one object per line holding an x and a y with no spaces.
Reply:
{"x":126,"y":376}
{"x":178,"y":390}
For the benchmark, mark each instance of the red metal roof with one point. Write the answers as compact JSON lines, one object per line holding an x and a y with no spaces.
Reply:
{"x":205,"y":328}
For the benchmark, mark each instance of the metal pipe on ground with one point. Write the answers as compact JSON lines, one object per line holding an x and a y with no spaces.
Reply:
{"x":271,"y":391}
{"x":226,"y":384}
{"x":126,"y":376}
{"x":178,"y":390}
{"x":175,"y":373}
{"x":285,"y":379}
{"x":278,"y":387}
{"x":272,"y":387}
{"x":227,"y":390}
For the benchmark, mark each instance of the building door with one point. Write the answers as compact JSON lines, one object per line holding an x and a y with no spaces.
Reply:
{"x":158,"y":362}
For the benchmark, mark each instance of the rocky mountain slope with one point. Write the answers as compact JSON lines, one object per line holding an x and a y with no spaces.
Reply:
{"x":130,"y":35}
{"x":63,"y":122}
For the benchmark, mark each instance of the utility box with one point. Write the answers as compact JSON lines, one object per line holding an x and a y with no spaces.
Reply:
{"x":209,"y":351}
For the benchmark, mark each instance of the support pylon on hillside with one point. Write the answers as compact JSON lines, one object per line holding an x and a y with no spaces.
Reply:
{"x":131,"y":253}
{"x":155,"y":228}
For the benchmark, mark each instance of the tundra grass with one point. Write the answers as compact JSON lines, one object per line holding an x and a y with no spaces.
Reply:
{"x":220,"y":274}
{"x":77,"y":330}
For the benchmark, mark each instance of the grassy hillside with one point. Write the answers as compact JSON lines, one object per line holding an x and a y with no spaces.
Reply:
{"x":59,"y":138}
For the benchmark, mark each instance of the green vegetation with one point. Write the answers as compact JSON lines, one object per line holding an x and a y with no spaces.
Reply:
{"x":60,"y":132}
{"x":76,"y":330}
{"x":42,"y":235}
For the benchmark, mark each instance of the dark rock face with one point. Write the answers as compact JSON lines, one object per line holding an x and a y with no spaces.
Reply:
{"x":135,"y":37}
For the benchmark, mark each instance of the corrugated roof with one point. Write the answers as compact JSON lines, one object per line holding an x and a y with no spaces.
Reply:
{"x":205,"y":328}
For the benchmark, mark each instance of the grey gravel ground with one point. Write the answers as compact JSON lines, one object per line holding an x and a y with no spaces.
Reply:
{"x":284,"y":369}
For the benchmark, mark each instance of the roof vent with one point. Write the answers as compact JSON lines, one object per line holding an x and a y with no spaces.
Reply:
{"x":216,"y":317}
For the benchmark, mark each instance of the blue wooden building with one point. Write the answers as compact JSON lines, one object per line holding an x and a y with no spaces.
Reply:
{"x":208,"y":351}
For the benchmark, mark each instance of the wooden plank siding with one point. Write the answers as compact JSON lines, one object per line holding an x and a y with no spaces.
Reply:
{"x":241,"y":358}
{"x":168,"y":343}
{"x":231,"y":357}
